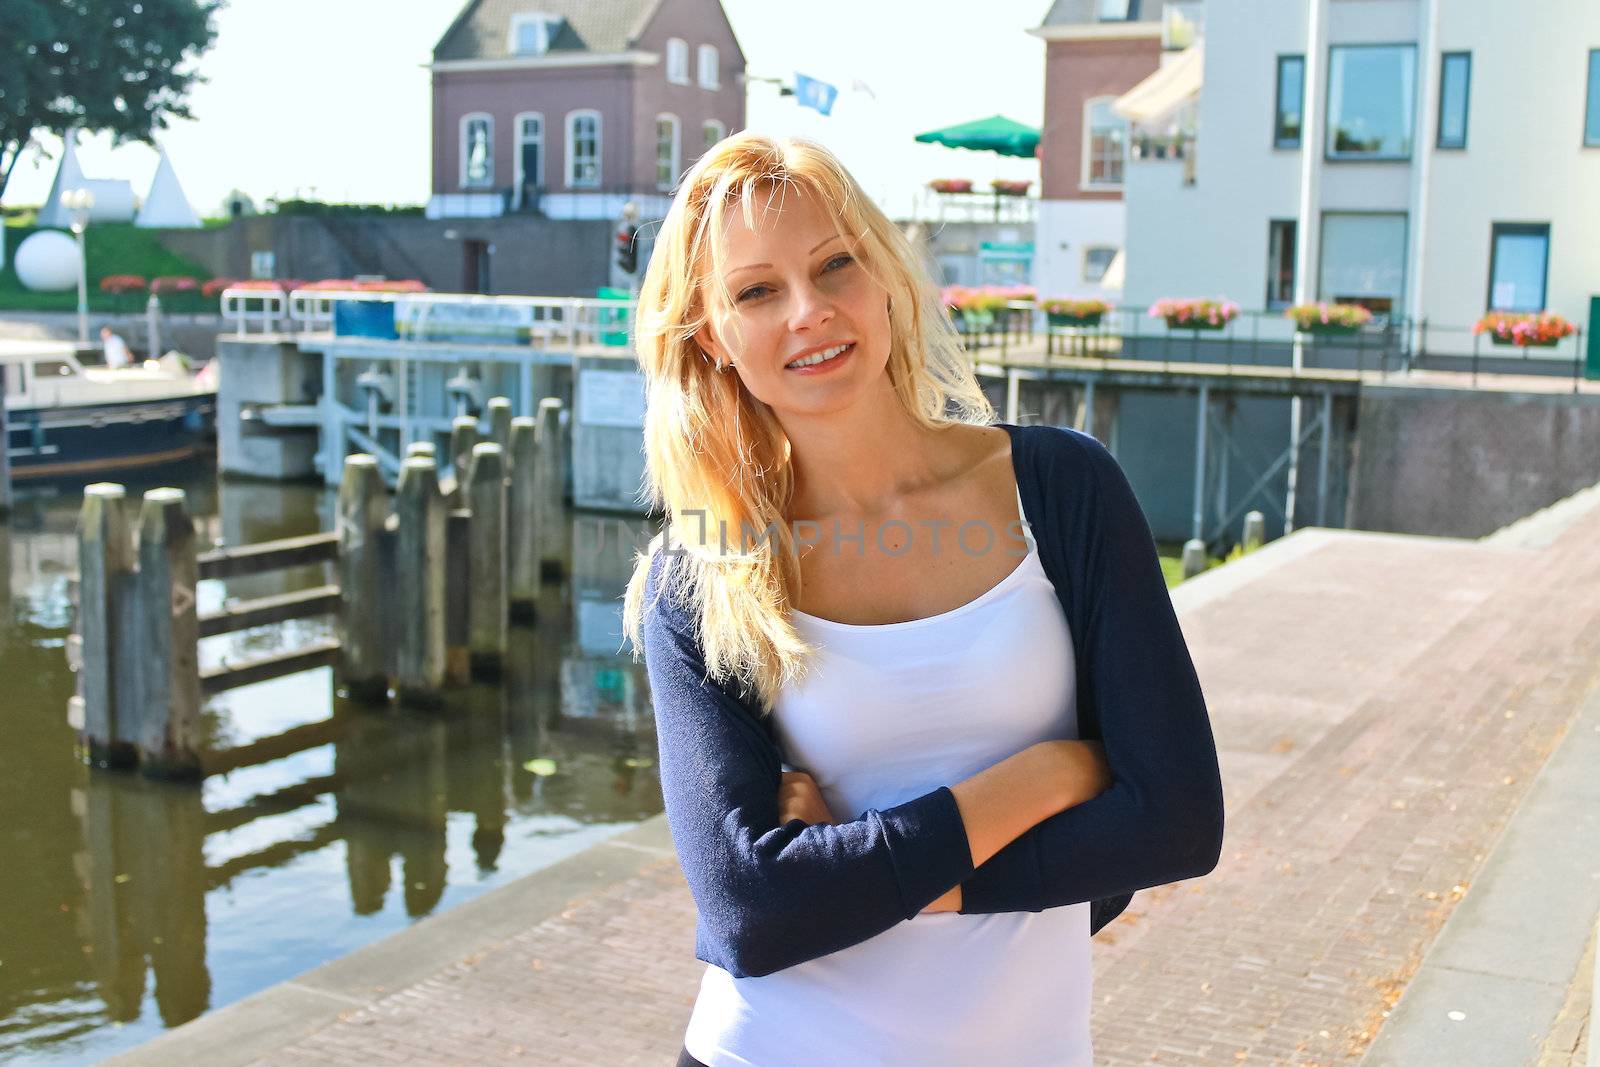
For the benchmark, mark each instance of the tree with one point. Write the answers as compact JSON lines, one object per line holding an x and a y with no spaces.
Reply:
{"x":116,"y":65}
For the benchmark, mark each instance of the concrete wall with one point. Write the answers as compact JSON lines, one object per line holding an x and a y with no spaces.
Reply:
{"x":1462,"y":464}
{"x":532,"y":255}
{"x":1065,"y":230}
{"x":262,"y":371}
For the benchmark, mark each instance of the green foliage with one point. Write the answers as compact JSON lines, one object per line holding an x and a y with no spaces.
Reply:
{"x":319,"y":207}
{"x":99,"y":65}
{"x":114,"y":248}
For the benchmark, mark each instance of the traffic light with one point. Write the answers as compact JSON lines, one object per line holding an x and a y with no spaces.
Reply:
{"x":627,"y":249}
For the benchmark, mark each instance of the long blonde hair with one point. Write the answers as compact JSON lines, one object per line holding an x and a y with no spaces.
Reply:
{"x":716,"y":458}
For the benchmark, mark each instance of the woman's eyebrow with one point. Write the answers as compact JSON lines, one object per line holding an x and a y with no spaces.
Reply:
{"x":754,"y":266}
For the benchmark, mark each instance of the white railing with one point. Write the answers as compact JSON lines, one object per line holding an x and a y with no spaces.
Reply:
{"x":443,"y":317}
{"x":262,"y":307}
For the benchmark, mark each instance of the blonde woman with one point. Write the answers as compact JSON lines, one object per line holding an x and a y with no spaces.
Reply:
{"x":925,"y":715}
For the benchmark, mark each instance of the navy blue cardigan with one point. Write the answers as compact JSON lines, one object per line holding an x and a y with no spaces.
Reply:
{"x":770,"y":896}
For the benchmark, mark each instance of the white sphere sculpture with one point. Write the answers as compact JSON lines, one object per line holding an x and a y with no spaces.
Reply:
{"x":47,"y":262}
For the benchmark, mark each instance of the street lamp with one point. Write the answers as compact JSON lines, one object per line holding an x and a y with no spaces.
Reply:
{"x":78,"y":203}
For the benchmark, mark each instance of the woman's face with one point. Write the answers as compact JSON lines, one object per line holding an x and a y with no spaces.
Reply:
{"x":798,"y":293}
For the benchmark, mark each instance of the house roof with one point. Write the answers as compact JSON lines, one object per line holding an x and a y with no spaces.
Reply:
{"x":1079,"y":12}
{"x":482,"y":29}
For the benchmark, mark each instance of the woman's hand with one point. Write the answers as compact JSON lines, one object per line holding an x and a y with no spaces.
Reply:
{"x":800,"y":798}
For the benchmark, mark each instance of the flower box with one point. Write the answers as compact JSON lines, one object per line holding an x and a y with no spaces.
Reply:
{"x":1064,"y":318}
{"x":1331,"y":320}
{"x":1177,"y":322}
{"x":1005,"y":187}
{"x":951,"y":185}
{"x":1194,"y":313}
{"x":1532,"y":342}
{"x":1542,"y":330}
{"x":1332,"y":329}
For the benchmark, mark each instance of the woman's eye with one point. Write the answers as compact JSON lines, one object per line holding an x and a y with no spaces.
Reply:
{"x":751,"y":293}
{"x":843,"y":259}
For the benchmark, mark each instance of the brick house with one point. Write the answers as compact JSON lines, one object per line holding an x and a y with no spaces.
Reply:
{"x":1095,"y":50}
{"x":570,"y":108}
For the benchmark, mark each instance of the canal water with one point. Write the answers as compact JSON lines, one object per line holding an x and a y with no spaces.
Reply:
{"x":132,"y":905}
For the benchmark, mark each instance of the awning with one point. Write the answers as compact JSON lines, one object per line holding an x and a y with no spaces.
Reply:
{"x":1162,"y":93}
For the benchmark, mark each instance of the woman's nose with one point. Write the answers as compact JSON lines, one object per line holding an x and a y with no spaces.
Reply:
{"x":811,"y":309}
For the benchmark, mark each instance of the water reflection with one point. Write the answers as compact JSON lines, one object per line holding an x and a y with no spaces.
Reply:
{"x":137,"y":905}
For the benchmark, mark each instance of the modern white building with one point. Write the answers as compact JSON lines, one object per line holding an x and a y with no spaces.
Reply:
{"x":1432,"y":159}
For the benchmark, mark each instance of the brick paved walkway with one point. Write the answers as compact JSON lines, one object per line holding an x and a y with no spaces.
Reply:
{"x":1381,"y":703}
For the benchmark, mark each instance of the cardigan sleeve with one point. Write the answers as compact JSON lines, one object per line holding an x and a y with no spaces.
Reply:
{"x":772,"y":896}
{"x":1162,"y":818}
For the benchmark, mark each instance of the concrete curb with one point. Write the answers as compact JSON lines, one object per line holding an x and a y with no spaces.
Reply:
{"x":267,"y":1021}
{"x":1499,"y":972}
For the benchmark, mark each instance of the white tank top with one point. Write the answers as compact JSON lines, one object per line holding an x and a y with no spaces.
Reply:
{"x":887,"y":713}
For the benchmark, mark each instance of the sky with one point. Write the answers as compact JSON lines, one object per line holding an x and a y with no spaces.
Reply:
{"x":330,"y":98}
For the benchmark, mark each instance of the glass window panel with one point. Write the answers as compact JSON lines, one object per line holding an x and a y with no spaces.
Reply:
{"x":1517,"y":273}
{"x":1280,"y":263}
{"x":1363,"y":256}
{"x":1291,"y":101}
{"x":479,"y":152}
{"x":1455,"y":79}
{"x":585,"y":162}
{"x":1371,"y":100}
{"x":1096,"y":261}
{"x":666,"y":151}
{"x":1591,"y":129}
{"x":1115,"y":10}
{"x":1108,"y":144}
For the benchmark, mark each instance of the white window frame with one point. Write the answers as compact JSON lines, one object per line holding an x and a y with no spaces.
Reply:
{"x":466,"y":121}
{"x":707,"y":70}
{"x":524,"y":139}
{"x":675,"y":158}
{"x":546,"y":22}
{"x":599,"y":148}
{"x":1088,"y":146}
{"x":705,"y":128}
{"x":677,"y":61}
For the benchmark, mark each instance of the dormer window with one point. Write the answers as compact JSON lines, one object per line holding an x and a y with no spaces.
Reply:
{"x":677,"y":61}
{"x":532,"y":32}
{"x":1116,"y":10}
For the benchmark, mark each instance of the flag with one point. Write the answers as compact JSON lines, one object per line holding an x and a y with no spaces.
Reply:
{"x":859,"y":86}
{"x":808,"y":92}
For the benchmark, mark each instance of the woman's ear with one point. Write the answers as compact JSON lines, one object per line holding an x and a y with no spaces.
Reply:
{"x":709,"y":345}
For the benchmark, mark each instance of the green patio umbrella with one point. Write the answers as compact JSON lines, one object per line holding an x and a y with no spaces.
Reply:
{"x":996,"y":133}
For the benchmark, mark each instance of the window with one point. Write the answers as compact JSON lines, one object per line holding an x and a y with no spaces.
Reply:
{"x":1280,"y":263}
{"x":477,"y":151}
{"x":1519,"y":258}
{"x":530,"y":156}
{"x":713,"y":132}
{"x":678,"y":61}
{"x":1591,"y":124}
{"x":708,"y":59}
{"x":1371,"y":101}
{"x":1363,"y":259}
{"x":1455,"y":84}
{"x":1096,"y":261}
{"x":666,"y":151}
{"x":1116,"y":10}
{"x":1291,"y":102}
{"x":583,"y":149}
{"x":531,"y":33}
{"x":1105,"y":143}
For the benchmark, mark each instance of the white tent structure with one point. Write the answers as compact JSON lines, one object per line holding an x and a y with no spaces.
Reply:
{"x":69,"y":175}
{"x":166,"y":206}
{"x":113,"y":198}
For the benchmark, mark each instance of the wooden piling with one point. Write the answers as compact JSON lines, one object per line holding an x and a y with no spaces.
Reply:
{"x":105,"y":561}
{"x":463,"y":435}
{"x":486,"y":560}
{"x":363,"y":509}
{"x":420,"y":595}
{"x":457,"y":613}
{"x":1255,"y":530}
{"x":168,"y":634}
{"x":1194,"y":557}
{"x":422,"y":448}
{"x":550,"y":470}
{"x":522,"y":559}
{"x":499,"y":409}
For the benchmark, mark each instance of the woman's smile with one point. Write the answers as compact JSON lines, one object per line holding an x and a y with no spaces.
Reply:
{"x":821,"y":360}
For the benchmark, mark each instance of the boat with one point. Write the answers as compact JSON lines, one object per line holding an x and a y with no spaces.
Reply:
{"x":68,"y":420}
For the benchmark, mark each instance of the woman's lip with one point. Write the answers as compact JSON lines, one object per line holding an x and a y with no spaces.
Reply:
{"x":827,"y":364}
